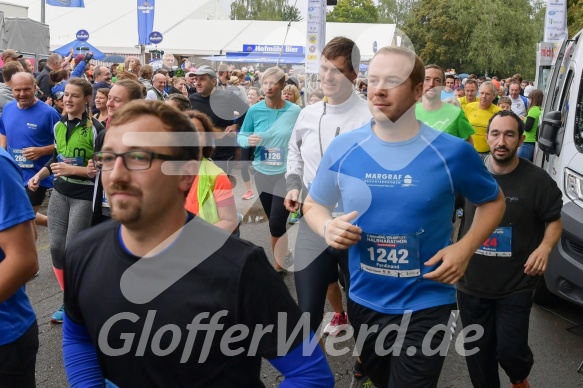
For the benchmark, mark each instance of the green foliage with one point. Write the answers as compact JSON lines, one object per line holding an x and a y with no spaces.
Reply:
{"x":494,"y":37}
{"x":353,"y":11}
{"x":574,"y":16}
{"x":395,"y":11}
{"x":264,"y":10}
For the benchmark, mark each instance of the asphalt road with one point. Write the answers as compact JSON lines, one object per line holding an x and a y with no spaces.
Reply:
{"x":558,"y":352}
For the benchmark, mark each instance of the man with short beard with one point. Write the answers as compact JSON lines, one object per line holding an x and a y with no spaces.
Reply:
{"x":496,"y":289}
{"x":470,"y":90}
{"x":193,"y":281}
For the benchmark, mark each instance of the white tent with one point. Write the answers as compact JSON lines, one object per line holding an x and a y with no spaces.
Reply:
{"x":193,"y":27}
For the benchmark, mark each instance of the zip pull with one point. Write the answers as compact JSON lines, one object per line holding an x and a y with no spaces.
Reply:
{"x":420,"y":232}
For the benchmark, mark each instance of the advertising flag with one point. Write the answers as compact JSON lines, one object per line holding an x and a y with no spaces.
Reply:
{"x":66,"y":3}
{"x":145,"y":20}
{"x":556,"y":21}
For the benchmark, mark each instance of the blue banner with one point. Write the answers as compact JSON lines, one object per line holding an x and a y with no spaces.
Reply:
{"x":145,"y":20}
{"x":66,"y":3}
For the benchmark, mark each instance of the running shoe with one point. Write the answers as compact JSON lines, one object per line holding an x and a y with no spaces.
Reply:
{"x":248,"y":195}
{"x":57,"y":317}
{"x":293,"y":218}
{"x":523,"y":384}
{"x":338,"y":324}
{"x":362,"y":382}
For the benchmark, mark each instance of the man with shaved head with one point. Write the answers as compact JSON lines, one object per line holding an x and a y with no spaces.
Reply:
{"x":26,"y":132}
{"x":44,"y":81}
{"x":158,"y":85}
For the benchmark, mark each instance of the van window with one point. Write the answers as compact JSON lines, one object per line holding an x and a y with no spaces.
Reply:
{"x":578,"y":123}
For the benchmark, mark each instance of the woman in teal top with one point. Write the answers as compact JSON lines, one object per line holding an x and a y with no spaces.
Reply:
{"x":535,"y":100}
{"x":268,"y":126}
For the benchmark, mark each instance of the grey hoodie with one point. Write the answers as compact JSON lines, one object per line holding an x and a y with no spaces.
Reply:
{"x":5,"y":96}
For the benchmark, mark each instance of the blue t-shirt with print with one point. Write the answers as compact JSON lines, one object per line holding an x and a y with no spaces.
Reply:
{"x":404,"y":193}
{"x":30,"y":127}
{"x":16,"y":313}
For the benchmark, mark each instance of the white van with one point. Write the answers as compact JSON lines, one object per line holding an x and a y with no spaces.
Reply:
{"x":560,"y":153}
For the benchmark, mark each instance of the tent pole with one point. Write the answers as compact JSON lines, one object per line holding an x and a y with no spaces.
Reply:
{"x":42,"y":11}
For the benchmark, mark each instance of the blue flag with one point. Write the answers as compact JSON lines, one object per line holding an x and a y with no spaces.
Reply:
{"x":66,"y":3}
{"x":145,"y":20}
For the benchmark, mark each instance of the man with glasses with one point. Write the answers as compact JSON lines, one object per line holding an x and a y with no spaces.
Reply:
{"x":167,"y":276}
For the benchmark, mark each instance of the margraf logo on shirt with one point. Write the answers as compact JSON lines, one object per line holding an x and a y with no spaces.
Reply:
{"x":388,"y":180}
{"x":31,"y":125}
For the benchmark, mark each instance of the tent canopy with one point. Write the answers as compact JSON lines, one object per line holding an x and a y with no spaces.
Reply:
{"x":79,"y":47}
{"x":257,"y":58}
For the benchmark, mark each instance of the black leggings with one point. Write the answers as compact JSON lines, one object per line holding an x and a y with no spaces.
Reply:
{"x":246,"y":159}
{"x":316,"y":266}
{"x":272,"y":191}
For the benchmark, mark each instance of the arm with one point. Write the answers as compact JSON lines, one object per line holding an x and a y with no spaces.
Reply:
{"x":528,"y":124}
{"x":295,"y":169}
{"x":304,"y":370}
{"x":539,"y":258}
{"x":338,"y":232}
{"x":21,"y":261}
{"x":79,"y":70}
{"x":44,"y":84}
{"x":80,"y":357}
{"x":228,"y":215}
{"x":455,"y":258}
{"x":35,"y":153}
{"x":3,"y":141}
{"x":246,"y":131}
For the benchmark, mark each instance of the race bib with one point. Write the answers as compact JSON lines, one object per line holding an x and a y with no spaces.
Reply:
{"x":272,"y":156}
{"x":104,"y":201}
{"x":395,"y":255}
{"x":498,"y":244}
{"x":20,"y":159}
{"x":73,"y":161}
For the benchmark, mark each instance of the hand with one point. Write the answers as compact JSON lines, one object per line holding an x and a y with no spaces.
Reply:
{"x":291,"y":202}
{"x":340,"y":233}
{"x":455,"y":259}
{"x":71,"y":52}
{"x":187,"y":65}
{"x":184,"y":91}
{"x":231,"y":128}
{"x":521,"y":117}
{"x":33,"y":183}
{"x":49,"y":101}
{"x":254,"y":140}
{"x":91,"y":170}
{"x":32,"y":153}
{"x":61,"y":169}
{"x":536,"y":265}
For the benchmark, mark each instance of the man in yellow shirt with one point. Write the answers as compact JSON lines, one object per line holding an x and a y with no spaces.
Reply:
{"x":470,"y":89}
{"x":479,"y":113}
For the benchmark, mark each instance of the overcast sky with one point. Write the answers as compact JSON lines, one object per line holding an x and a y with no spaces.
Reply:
{"x":34,"y":7}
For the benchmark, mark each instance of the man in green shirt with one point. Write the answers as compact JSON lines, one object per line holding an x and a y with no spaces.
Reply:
{"x":438,"y":114}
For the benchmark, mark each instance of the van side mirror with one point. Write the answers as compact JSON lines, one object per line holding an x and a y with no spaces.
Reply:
{"x":548,"y":129}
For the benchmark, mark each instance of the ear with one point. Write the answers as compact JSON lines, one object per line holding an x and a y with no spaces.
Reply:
{"x":189,"y":170}
{"x":418,"y":91}
{"x":521,"y":140}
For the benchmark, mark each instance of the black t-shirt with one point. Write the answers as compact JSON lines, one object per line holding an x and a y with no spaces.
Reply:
{"x":220,"y":107}
{"x":236,"y":283}
{"x":532,"y":200}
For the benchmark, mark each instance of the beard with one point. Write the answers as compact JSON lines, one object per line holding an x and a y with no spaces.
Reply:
{"x":510,"y":153}
{"x":126,"y":211}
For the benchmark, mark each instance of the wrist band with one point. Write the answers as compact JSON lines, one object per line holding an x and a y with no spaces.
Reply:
{"x":324,"y":228}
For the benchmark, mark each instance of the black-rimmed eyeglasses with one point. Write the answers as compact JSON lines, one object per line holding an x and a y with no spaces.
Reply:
{"x":132,"y":160}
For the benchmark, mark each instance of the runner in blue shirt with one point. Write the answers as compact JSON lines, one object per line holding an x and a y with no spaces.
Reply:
{"x":18,"y":263}
{"x":398,"y":179}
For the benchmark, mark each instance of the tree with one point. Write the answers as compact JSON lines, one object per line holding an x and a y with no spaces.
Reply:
{"x":395,"y":11}
{"x":353,"y":11}
{"x":264,"y":10}
{"x":495,"y":36}
{"x":574,"y":16}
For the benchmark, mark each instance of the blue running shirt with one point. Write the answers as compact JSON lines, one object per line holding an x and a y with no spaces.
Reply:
{"x":404,"y":193}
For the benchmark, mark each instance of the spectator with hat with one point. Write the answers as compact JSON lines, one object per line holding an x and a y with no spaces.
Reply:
{"x":8,"y":56}
{"x":8,"y":71}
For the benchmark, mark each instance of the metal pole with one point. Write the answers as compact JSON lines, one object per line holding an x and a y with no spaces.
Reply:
{"x":42,"y":11}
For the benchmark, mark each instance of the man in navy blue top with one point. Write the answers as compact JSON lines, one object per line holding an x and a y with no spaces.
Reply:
{"x":159,"y":297}
{"x":18,"y":263}
{"x":397,"y":179}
